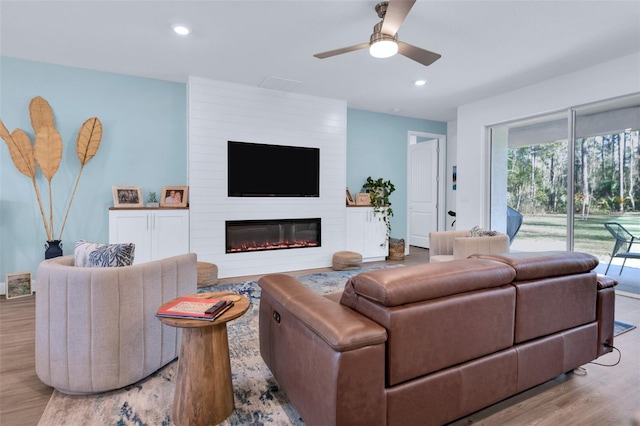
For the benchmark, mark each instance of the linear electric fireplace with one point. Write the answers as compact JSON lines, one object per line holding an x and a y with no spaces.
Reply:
{"x":272,"y":234}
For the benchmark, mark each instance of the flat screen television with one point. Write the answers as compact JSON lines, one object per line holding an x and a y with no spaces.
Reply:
{"x":261,"y":170}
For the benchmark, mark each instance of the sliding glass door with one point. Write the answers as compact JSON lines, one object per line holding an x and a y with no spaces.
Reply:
{"x":529,"y":168}
{"x":567,"y":173}
{"x":607,"y":173}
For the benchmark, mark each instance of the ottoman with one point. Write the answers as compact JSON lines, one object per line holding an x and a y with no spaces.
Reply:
{"x":346,"y":260}
{"x":207,"y":274}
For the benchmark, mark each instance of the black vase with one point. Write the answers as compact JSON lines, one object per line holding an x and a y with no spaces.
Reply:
{"x":53,"y":249}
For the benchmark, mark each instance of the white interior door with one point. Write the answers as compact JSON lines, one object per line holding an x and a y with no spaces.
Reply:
{"x":423,"y":191}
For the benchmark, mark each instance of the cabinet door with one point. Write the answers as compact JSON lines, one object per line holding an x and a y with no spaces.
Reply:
{"x":170,"y":233}
{"x":375,"y":238}
{"x":356,"y":225}
{"x":366,"y":233}
{"x":130,"y":226}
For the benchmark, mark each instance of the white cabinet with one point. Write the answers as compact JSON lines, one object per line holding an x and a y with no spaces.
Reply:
{"x":367,"y":233}
{"x":157,"y":233}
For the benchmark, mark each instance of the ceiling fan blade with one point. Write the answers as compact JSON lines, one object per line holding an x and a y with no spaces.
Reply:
{"x":397,"y":11}
{"x":341,"y":51}
{"x":423,"y":56}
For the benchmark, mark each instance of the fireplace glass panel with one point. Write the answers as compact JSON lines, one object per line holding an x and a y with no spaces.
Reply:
{"x":258,"y":235}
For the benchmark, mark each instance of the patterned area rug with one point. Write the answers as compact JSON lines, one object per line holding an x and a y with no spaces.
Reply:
{"x":621,"y":327}
{"x":258,"y":399}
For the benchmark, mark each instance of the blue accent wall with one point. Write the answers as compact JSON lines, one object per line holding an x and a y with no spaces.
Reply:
{"x":144,"y":144}
{"x":377,"y":146}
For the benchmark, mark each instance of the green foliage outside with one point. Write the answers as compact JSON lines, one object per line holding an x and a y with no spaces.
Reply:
{"x":607,"y":189}
{"x":590,"y":236}
{"x":607,"y":176}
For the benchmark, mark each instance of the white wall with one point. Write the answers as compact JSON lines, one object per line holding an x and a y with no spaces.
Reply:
{"x":221,"y":111}
{"x":607,"y":80}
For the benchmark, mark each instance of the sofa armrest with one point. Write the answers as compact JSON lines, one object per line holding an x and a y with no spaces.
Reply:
{"x":605,"y":281}
{"x":321,"y":353}
{"x":339,"y":326}
{"x":464,"y":247}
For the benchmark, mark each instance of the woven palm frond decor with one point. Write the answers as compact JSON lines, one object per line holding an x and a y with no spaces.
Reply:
{"x":46,"y":153}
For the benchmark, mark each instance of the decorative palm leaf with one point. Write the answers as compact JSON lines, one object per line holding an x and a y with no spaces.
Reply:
{"x":48,"y":151}
{"x":41,"y":114}
{"x":88,"y":140}
{"x":4,"y":133}
{"x":23,"y":157}
{"x":87,"y":145}
{"x":21,"y":151}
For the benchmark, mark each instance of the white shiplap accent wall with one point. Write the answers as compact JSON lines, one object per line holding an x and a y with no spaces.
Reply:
{"x":222,"y":111}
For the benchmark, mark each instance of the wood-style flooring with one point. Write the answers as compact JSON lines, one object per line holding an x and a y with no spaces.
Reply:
{"x":598,"y":396}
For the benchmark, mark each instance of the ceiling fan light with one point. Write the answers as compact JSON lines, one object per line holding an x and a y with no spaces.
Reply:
{"x":383,"y":48}
{"x":180,"y":29}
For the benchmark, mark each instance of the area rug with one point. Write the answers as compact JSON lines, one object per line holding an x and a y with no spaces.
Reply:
{"x":621,"y":327}
{"x":258,"y":399}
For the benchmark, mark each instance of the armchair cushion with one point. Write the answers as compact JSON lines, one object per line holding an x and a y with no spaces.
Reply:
{"x":451,"y":245}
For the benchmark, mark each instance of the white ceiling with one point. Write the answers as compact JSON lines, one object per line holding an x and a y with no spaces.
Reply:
{"x":487,"y":47}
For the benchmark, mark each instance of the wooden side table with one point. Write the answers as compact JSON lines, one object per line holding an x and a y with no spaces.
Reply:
{"x":204,"y":390}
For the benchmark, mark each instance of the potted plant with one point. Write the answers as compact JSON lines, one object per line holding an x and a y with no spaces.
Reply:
{"x":45,"y":153}
{"x":152,"y":200}
{"x":379,"y":191}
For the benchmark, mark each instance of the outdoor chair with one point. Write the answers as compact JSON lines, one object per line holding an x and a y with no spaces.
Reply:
{"x":622,"y":247}
{"x":514,"y":222}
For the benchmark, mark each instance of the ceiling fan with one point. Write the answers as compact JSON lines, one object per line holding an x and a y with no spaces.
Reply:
{"x":384,"y":40}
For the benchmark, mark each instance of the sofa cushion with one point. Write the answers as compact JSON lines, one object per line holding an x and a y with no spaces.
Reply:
{"x":399,"y":286}
{"x":88,"y":254}
{"x":535,"y":265}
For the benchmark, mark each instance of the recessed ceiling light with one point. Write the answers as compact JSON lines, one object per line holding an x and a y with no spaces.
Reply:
{"x":420,"y":82}
{"x":180,"y":29}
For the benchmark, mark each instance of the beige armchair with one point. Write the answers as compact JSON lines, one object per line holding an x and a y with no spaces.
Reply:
{"x":450,"y":245}
{"x":96,"y":328}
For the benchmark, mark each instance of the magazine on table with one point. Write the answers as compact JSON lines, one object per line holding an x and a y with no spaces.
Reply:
{"x":195,"y":308}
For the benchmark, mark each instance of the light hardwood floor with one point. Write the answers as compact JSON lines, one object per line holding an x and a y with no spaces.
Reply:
{"x":599,"y":396}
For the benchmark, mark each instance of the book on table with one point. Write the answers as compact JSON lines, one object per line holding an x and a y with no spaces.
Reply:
{"x":195,"y":308}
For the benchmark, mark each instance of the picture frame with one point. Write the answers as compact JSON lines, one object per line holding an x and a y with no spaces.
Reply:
{"x":363,"y":199}
{"x":174,"y":196}
{"x":127,"y":197}
{"x":18,"y":285}
{"x":350,"y":200}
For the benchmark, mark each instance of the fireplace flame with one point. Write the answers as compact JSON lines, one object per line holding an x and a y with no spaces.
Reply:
{"x":255,"y":246}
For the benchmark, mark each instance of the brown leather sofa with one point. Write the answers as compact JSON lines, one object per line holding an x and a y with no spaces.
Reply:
{"x":431,"y":343}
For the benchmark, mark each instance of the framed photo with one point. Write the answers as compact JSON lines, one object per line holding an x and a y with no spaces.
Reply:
{"x":350,"y":200}
{"x":127,"y":196}
{"x":174,"y":196}
{"x":363,"y":199}
{"x":18,"y":285}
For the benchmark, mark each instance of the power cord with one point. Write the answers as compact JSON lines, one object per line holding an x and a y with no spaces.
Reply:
{"x":610,"y":365}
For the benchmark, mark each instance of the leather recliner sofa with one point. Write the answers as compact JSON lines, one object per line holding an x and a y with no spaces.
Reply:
{"x":431,"y":343}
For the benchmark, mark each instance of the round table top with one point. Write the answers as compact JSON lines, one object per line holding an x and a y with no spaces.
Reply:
{"x":240,"y":306}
